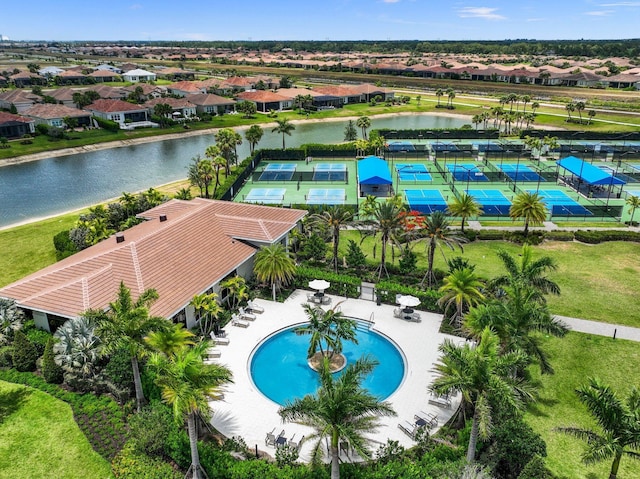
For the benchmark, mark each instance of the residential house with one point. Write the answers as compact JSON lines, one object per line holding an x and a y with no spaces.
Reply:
{"x":212,"y":104}
{"x":109,"y":92}
{"x":266,"y":100}
{"x":184,"y":248}
{"x":21,"y":99}
{"x":104,"y":76}
{"x":50,"y":72}
{"x":583,"y":79}
{"x":25,"y":79}
{"x":121,"y":112}
{"x":174,"y":74}
{"x":345,"y":93}
{"x":15,"y":126}
{"x":370,"y":92}
{"x":320,"y":101}
{"x":138,"y":75}
{"x":70,"y":77}
{"x":54,"y":115}
{"x":623,"y":80}
{"x":184,"y":88}
{"x":182,"y":107}
{"x":147,"y":91}
{"x":108,"y":68}
{"x":63,"y":95}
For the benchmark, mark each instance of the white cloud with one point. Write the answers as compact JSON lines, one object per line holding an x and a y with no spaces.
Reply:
{"x":480,"y":12}
{"x":599,"y":13}
{"x":621,"y":4}
{"x":390,"y":1}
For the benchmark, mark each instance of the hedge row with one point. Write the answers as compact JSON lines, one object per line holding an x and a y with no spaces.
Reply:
{"x":536,"y":237}
{"x":107,"y":124}
{"x":595,"y":237}
{"x":341,"y":284}
{"x":386,"y":292}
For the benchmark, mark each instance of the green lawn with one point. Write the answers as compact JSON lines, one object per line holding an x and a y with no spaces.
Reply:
{"x":39,"y":438}
{"x":575,"y":358}
{"x":603,"y":288}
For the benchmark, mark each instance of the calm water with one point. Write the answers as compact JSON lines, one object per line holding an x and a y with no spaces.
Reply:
{"x":41,"y":188}
{"x":280,"y":371}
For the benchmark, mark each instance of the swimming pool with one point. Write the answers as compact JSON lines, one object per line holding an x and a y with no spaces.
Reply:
{"x":278,"y":366}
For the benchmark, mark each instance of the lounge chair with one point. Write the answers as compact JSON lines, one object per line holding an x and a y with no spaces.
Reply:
{"x":442,"y":401}
{"x":242,"y":314}
{"x":414,"y":318}
{"x":281,"y":440}
{"x":428,"y":418}
{"x":397,"y":313}
{"x":219,"y":339}
{"x":213,"y":353}
{"x":235,"y":321}
{"x":254,"y":308}
{"x":270,"y":440}
{"x":295,"y":444}
{"x":408,"y":428}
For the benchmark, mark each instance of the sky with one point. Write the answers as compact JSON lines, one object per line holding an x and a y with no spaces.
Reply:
{"x":143,"y":20}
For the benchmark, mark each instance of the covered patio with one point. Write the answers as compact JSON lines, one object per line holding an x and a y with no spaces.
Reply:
{"x":374,"y":177}
{"x":589,"y":179}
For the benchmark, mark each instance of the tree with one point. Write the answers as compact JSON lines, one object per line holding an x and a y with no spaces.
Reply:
{"x":273,"y":264}
{"x":439,"y":93}
{"x":164,"y":111}
{"x":187,"y":385}
{"x":355,"y":258}
{"x":579,"y":107}
{"x":184,"y":194}
{"x":247,"y":108}
{"x":284,"y":127}
{"x":335,"y":218}
{"x":464,"y":206}
{"x":24,"y":353}
{"x":534,"y":106}
{"x":592,"y":115}
{"x":51,"y":372}
{"x":318,"y":328}
{"x":363,"y":122}
{"x":340,"y":409}
{"x":226,"y":141}
{"x":207,"y":311}
{"x":462,"y":287}
{"x":437,"y":231}
{"x":484,"y":377}
{"x":530,"y":207}
{"x":77,"y":348}
{"x":619,"y":420}
{"x":216,"y":163}
{"x":170,"y":340}
{"x":350,"y":132}
{"x":70,"y":122}
{"x":204,"y":173}
{"x":11,"y":319}
{"x":125,"y":325}
{"x":570,"y":107}
{"x":286,"y":82}
{"x":253,"y":136}
{"x":237,"y":291}
{"x":451,"y":94}
{"x":632,"y":202}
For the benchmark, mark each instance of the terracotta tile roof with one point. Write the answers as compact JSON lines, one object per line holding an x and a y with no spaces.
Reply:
{"x":172,"y":102}
{"x":6,"y":117}
{"x":291,"y":93}
{"x":210,"y":99}
{"x":334,"y":90}
{"x":49,"y":111}
{"x":113,"y":106}
{"x":62,"y":94}
{"x":187,"y":86}
{"x":197,"y":246}
{"x":26,"y":74}
{"x":238,"y":81}
{"x":108,"y":92}
{"x":103,"y":74}
{"x":19,"y":96}
{"x":146,"y":88}
{"x":71,"y":74}
{"x":173,"y":71}
{"x":261,"y":96}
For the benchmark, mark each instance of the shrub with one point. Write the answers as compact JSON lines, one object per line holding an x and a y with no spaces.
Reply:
{"x":535,"y":469}
{"x":6,"y":356}
{"x":118,"y":369}
{"x":386,"y":291}
{"x":559,"y":235}
{"x":63,"y":245}
{"x":25,"y":354}
{"x":37,"y":337}
{"x":314,"y":248}
{"x":355,"y":258}
{"x":595,"y":237}
{"x":51,"y":372}
{"x":341,"y":284}
{"x":490,"y":235}
{"x":106,"y":124}
{"x":150,"y":429}
{"x":129,"y":464}
{"x":533,"y":238}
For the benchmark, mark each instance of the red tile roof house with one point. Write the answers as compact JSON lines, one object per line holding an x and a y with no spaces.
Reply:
{"x":171,"y":73}
{"x":53,"y":115}
{"x":182,"y":106}
{"x":15,"y":126}
{"x":266,"y":100}
{"x":19,"y":98}
{"x":70,"y":77}
{"x":184,"y":88}
{"x":104,"y":76}
{"x":212,"y":104}
{"x":125,"y":113}
{"x":24,"y":79}
{"x":183,"y":249}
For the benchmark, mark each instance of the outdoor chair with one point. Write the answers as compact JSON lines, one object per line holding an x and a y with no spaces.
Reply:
{"x":219,"y":339}
{"x":270,"y":440}
{"x":296,"y":444}
{"x":235,"y":321}
{"x":397,"y":312}
{"x":281,"y":440}
{"x":408,"y":428}
{"x":414,"y":318}
{"x":242,"y":314}
{"x":442,"y":401}
{"x":254,"y":308}
{"x":428,"y":418}
{"x":213,"y":353}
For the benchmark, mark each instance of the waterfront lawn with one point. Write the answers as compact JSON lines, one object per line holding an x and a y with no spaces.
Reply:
{"x":575,"y":358}
{"x":603,"y":287}
{"x":39,"y":438}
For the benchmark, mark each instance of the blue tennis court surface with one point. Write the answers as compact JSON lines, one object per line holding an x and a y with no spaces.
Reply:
{"x":326,"y":196}
{"x":491,"y":147}
{"x":634,"y":193}
{"x":266,"y":195}
{"x":493,"y":202}
{"x":519,"y":172}
{"x":561,"y":204}
{"x":412,"y":172}
{"x":278,"y":172}
{"x":425,"y":201}
{"x":400,"y":146}
{"x":330,"y":172}
{"x":467,"y":172}
{"x":438,"y":147}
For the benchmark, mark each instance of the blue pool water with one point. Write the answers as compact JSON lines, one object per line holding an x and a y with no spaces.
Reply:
{"x":280,"y":371}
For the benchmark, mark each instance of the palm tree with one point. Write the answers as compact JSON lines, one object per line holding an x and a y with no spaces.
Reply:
{"x":125,"y":325}
{"x":534,"y":106}
{"x":184,"y":194}
{"x":340,"y":409}
{"x":530,"y":207}
{"x":253,"y":135}
{"x":451,"y":94}
{"x":11,"y":319}
{"x":187,"y":385}
{"x":334,"y":218}
{"x":462,"y":288}
{"x":570,"y":107}
{"x":317,"y":328}
{"x":273,"y":264}
{"x":285,"y":127}
{"x":633,"y":202}
{"x":592,"y":114}
{"x":439,"y":93}
{"x":77,"y":348}
{"x":361,"y":147}
{"x":483,"y":376}
{"x":525,"y":99}
{"x":465,"y":207}
{"x":207,"y":311}
{"x":364,"y":122}
{"x":129,"y":203}
{"x":237,"y":291}
{"x":619,"y":420}
{"x":226,"y":141}
{"x":169,"y":341}
{"x":438,"y":233}
{"x":580,"y":106}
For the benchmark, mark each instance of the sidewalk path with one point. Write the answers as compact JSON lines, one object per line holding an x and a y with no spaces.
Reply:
{"x":602,"y":329}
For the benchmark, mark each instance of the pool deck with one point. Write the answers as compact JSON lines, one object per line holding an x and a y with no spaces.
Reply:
{"x":245,"y":412}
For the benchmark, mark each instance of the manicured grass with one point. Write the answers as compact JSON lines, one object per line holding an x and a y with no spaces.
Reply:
{"x":575,"y":358}
{"x":602,"y":288}
{"x":39,"y":438}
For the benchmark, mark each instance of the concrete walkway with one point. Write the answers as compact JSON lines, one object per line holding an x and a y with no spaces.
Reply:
{"x":546,"y":226}
{"x":602,"y":329}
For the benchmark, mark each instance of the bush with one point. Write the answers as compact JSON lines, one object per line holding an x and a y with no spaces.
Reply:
{"x":63,"y":245}
{"x":106,"y":124}
{"x":559,"y":235}
{"x":355,"y":258}
{"x":131,"y":464}
{"x":51,"y":372}
{"x":535,"y":469}
{"x":595,"y":237}
{"x":386,"y":291}
{"x":341,"y":284}
{"x":6,"y":356}
{"x":118,"y":369}
{"x":37,"y":337}
{"x":533,"y":238}
{"x":490,"y":235}
{"x":25,"y":354}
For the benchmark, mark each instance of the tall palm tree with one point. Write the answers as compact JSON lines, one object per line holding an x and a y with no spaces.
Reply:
{"x":226,"y":141}
{"x":169,"y":341}
{"x":340,"y":409}
{"x":237,"y":291}
{"x":125,"y":325}
{"x":253,"y":135}
{"x":464,"y":206}
{"x":335,"y":218}
{"x":364,"y":122}
{"x":570,"y":107}
{"x":273,"y":264}
{"x":530,"y":207}
{"x":207,"y":311}
{"x":462,"y":288}
{"x":318,"y":329}
{"x":187,"y":385}
{"x":439,"y":93}
{"x":580,"y":106}
{"x":481,"y":374}
{"x":451,"y":94}
{"x":633,"y":202}
{"x":361,"y":147}
{"x":437,"y":232}
{"x":284,"y":127}
{"x":619,"y":420}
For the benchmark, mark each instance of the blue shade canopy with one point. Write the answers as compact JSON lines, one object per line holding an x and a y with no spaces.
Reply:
{"x":373,"y":171}
{"x":590,"y":174}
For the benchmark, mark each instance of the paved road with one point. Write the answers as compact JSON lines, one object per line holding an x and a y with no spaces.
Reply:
{"x":602,"y":329}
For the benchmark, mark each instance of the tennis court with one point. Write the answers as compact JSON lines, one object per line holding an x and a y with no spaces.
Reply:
{"x":467,"y":172}
{"x":425,"y":201}
{"x":439,"y":147}
{"x":493,"y":202}
{"x":634,"y":193}
{"x":561,"y":204}
{"x":330,"y":172}
{"x":519,"y":172}
{"x":273,"y":196}
{"x":400,"y":146}
{"x":490,"y":147}
{"x":326,"y":196}
{"x":278,"y":172}
{"x":412,"y":172}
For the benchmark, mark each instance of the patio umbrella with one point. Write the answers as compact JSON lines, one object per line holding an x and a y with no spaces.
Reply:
{"x":408,"y":302}
{"x":319,"y":284}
